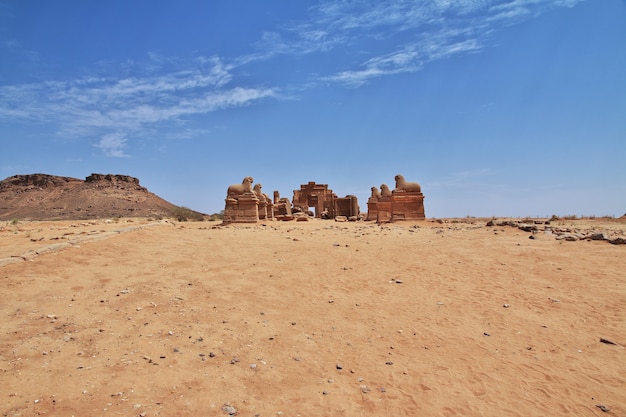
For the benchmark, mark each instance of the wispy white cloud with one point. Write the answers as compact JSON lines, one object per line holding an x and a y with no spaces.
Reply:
{"x":395,"y":63}
{"x":384,"y":38}
{"x":429,"y":29}
{"x":104,"y":107}
{"x":113,"y":144}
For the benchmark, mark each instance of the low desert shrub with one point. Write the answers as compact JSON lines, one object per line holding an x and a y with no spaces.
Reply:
{"x":183,"y":214}
{"x":216,"y":216}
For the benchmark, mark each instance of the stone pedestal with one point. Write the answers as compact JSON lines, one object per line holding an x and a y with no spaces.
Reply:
{"x":372,"y":209}
{"x":407,"y":205}
{"x":384,"y":212}
{"x":243,"y":208}
{"x":263,"y":209}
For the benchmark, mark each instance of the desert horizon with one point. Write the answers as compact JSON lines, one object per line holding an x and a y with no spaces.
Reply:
{"x":442,"y":317}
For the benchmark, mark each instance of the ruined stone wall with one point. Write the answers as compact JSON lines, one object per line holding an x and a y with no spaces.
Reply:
{"x":347,"y":206}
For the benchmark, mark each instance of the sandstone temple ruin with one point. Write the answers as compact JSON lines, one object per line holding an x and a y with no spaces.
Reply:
{"x":248,"y":204}
{"x":324,"y":201}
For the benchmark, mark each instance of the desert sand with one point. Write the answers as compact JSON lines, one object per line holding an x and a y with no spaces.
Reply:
{"x":316,"y":318}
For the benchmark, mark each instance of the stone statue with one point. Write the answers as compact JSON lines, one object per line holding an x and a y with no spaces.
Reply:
{"x":238,"y":189}
{"x":385,"y":191}
{"x":263,"y":197}
{"x":402,"y":184}
{"x":375,"y":193}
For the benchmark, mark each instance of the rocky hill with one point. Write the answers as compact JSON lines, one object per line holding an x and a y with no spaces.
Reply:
{"x":50,"y":197}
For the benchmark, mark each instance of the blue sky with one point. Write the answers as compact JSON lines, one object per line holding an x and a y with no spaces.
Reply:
{"x":498,"y":108}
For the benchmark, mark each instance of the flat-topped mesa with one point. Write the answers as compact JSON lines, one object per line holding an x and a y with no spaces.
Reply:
{"x":114,"y":178}
{"x":51,"y":197}
{"x":36,"y":180}
{"x":121,"y":182}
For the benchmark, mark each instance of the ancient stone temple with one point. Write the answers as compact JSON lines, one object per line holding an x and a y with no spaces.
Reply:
{"x":324,"y":201}
{"x":242,"y":203}
{"x":405,"y":202}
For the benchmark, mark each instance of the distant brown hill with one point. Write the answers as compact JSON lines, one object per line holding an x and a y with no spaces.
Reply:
{"x":50,"y":197}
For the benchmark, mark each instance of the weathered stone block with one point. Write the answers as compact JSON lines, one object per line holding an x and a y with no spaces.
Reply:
{"x":407,"y":206}
{"x":243,"y":209}
{"x":384,"y":213}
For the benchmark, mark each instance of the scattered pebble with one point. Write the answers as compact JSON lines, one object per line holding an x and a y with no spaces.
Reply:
{"x":339,"y":366}
{"x":229,"y":409}
{"x":608,"y":342}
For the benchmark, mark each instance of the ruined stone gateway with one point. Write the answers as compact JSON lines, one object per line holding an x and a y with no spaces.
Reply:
{"x":324,"y":201}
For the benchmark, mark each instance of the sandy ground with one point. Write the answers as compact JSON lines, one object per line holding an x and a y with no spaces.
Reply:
{"x":310,"y":318}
